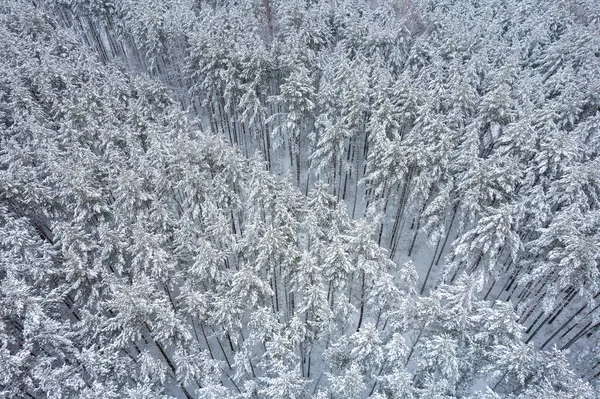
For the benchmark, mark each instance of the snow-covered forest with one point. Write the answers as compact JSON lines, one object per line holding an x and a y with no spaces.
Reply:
{"x":330,"y":199}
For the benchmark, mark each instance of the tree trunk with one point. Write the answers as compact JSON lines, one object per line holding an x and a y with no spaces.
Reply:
{"x":429,"y":269}
{"x":362,"y":301}
{"x":297,"y":138}
{"x":447,"y":234}
{"x":267,"y":4}
{"x":412,"y":244}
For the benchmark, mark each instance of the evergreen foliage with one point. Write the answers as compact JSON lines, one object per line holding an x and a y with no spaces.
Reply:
{"x":291,"y":199}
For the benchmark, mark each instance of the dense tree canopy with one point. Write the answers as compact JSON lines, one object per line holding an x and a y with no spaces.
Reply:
{"x":294,"y":199}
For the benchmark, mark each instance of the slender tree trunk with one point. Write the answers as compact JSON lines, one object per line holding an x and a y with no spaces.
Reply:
{"x":212,"y":116}
{"x":381,"y":225}
{"x":349,"y":161}
{"x":221,"y":119}
{"x":551,"y":316}
{"x":430,"y":267}
{"x":500,"y":380}
{"x":355,"y":186}
{"x":412,"y":348}
{"x":297,"y":138}
{"x":167,"y":359}
{"x":224,"y":353}
{"x":398,"y":216}
{"x":205,"y":338}
{"x":267,"y":5}
{"x":412,"y":244}
{"x":275,"y":289}
{"x":577,"y":336}
{"x":490,"y":289}
{"x":268,"y":146}
{"x":362,"y":301}
{"x":447,"y":234}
